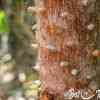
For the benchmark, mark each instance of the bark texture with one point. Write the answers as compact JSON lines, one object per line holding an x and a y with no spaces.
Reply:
{"x":67,"y":36}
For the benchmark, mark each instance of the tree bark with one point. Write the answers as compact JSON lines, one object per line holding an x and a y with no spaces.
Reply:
{"x":67,"y":35}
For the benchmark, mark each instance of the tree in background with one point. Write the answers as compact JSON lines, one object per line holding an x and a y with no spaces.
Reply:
{"x":21,"y":35}
{"x":4,"y":30}
{"x":68,"y":37}
{"x":23,"y":54}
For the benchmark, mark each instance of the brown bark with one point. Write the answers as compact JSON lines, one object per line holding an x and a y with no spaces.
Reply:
{"x":66,"y":40}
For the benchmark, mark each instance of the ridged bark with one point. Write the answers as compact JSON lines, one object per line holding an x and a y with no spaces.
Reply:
{"x":67,"y":36}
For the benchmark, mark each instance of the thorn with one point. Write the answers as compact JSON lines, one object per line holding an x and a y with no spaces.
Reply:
{"x":96,"y":53}
{"x":35,"y":45}
{"x":89,"y":77}
{"x":36,"y":10}
{"x":90,"y":27}
{"x":74,"y":72}
{"x":50,"y":46}
{"x":34,"y":27}
{"x":90,"y":74}
{"x":85,"y":2}
{"x":64,"y":63}
{"x":64,"y":14}
{"x":36,"y":67}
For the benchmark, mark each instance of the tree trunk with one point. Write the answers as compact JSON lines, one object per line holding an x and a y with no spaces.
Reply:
{"x":67,"y":36}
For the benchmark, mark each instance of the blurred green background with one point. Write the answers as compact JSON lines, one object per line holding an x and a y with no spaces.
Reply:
{"x":18,"y":80}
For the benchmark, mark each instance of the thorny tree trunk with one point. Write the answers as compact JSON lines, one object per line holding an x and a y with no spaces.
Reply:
{"x":67,"y":36}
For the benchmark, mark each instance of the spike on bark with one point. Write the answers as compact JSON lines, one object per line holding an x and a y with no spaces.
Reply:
{"x":96,"y":53}
{"x":36,"y":10}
